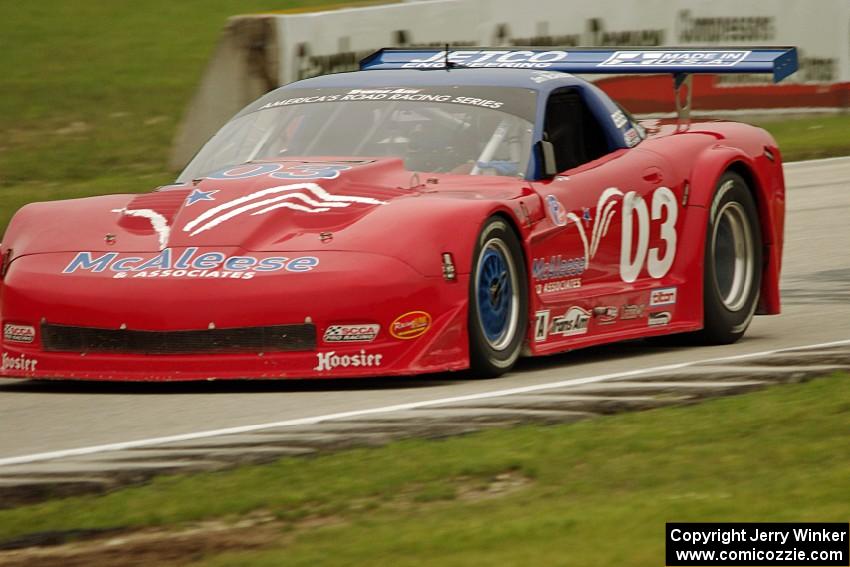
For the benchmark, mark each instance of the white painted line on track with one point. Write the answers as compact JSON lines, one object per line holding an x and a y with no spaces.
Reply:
{"x":23,"y":459}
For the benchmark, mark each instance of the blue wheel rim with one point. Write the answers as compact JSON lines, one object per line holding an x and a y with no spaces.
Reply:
{"x":494,"y":291}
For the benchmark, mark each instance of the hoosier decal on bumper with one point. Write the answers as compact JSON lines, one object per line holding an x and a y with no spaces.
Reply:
{"x":331,"y":360}
{"x":21,"y":363}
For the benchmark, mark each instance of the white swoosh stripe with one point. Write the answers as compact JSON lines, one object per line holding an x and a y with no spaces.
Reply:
{"x":158,"y":222}
{"x":325,"y":202}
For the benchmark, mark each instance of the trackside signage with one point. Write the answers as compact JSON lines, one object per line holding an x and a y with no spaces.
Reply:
{"x":704,"y":33}
{"x":499,"y":33}
{"x":757,"y":544}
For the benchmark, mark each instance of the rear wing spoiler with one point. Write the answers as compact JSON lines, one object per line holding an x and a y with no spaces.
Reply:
{"x":778,"y":61}
{"x":681,"y":62}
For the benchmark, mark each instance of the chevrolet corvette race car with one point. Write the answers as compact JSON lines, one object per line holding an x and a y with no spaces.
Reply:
{"x":434,"y":211}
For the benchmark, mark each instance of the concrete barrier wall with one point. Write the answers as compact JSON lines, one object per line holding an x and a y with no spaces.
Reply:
{"x":258,"y":53}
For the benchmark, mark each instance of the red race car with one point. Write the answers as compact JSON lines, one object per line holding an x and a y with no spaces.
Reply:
{"x":437,"y":210}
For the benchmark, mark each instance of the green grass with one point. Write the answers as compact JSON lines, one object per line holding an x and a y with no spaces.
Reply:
{"x":600,"y":491}
{"x":811,"y":138}
{"x":93,"y":91}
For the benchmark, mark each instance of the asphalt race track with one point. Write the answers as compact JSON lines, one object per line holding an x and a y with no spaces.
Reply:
{"x":43,"y":417}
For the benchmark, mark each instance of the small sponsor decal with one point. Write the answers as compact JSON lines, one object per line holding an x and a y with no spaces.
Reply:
{"x":631,"y":137}
{"x":188,"y":263}
{"x":660,"y":318}
{"x":619,"y":119}
{"x":18,"y":333}
{"x":630,"y":312}
{"x":681,"y":58}
{"x":364,"y":333}
{"x":605,"y":315}
{"x":411,"y":325}
{"x":558,"y":285}
{"x":573,"y":322}
{"x":557,"y":212}
{"x":543,"y":76}
{"x":557,"y":267}
{"x":663,"y":296}
{"x":489,"y":58}
{"x":384,"y":91}
{"x":541,"y":326}
{"x":331,"y":360}
{"x":21,"y":363}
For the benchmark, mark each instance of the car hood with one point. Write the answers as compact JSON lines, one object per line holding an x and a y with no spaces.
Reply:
{"x":264,"y":211}
{"x":373,"y":205}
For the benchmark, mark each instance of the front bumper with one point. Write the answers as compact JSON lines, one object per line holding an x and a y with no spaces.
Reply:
{"x":345,"y":289}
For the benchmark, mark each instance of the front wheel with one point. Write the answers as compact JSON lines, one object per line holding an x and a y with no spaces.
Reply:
{"x":733,"y":262}
{"x":498,"y":300}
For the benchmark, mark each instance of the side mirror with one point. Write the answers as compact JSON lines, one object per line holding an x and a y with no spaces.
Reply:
{"x":546,"y":154}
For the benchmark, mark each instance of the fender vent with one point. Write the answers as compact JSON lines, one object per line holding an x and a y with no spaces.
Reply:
{"x":279,"y":338}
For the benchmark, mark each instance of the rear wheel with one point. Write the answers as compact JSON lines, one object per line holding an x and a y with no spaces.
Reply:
{"x":733,"y":262}
{"x":498,"y":300}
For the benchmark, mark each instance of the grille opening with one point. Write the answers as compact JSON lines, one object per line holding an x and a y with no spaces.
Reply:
{"x":276,"y":338}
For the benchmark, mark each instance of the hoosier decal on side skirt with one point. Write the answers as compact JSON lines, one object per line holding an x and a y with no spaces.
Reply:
{"x":331,"y":360}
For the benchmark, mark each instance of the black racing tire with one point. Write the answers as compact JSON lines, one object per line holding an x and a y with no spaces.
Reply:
{"x":733,"y":262}
{"x":498,"y":300}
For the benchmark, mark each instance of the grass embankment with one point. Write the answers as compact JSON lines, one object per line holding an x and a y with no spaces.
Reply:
{"x":811,"y":138}
{"x":597,"y":492}
{"x":93,"y":92}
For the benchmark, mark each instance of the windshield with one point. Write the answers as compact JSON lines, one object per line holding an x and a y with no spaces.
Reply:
{"x":464,"y":130}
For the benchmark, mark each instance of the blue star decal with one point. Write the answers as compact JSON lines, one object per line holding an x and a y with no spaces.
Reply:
{"x":198,"y":195}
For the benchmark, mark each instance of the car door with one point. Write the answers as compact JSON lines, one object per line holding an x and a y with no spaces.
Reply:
{"x":610,"y":236}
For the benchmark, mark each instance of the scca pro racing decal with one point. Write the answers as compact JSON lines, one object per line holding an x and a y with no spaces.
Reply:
{"x":331,"y":360}
{"x":365,"y":333}
{"x":18,"y":333}
{"x":186,"y":264}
